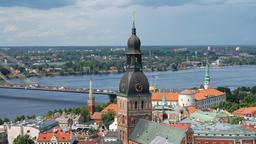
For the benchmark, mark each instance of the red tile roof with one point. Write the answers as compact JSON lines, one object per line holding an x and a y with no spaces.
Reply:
{"x":59,"y":134}
{"x":170,"y":96}
{"x":96,"y":116}
{"x":180,"y":125}
{"x":111,"y":107}
{"x":245,"y":111}
{"x":204,"y":93}
{"x":192,"y":109}
{"x":199,"y":94}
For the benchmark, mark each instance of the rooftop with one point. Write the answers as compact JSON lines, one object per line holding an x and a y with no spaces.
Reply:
{"x":218,"y":129}
{"x":111,"y":107}
{"x":151,"y":132}
{"x":170,"y":96}
{"x":204,"y":93}
{"x":245,"y":111}
{"x":58,"y":134}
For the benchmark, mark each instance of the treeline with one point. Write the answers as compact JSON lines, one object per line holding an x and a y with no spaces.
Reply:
{"x":91,"y":66}
{"x":240,"y":61}
{"x":238,"y":98}
{"x":17,"y":119}
{"x":83,"y":111}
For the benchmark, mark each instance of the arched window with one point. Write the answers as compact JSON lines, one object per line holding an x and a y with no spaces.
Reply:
{"x":135,"y":105}
{"x":142,"y":104}
{"x":123,"y":120}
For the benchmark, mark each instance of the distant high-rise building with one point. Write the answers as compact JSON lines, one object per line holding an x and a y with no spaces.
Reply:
{"x":134,"y":98}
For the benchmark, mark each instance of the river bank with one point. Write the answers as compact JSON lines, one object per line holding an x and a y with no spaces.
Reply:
{"x":24,"y":102}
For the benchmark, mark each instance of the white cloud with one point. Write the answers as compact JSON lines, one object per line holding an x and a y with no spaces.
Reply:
{"x":108,"y":22}
{"x":10,"y":28}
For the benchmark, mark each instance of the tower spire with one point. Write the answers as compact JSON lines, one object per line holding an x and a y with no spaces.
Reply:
{"x":133,"y":25}
{"x":207,"y":75}
{"x":91,"y":100}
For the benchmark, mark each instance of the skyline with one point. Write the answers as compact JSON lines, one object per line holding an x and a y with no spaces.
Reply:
{"x":108,"y":22}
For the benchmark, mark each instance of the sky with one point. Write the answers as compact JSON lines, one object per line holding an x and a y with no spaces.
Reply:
{"x":109,"y":22}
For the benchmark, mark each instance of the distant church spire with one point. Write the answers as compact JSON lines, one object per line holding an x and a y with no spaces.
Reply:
{"x":91,"y":100}
{"x":206,"y":76}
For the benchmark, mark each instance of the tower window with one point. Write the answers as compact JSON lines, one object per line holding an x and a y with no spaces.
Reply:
{"x":142,"y":104}
{"x":135,"y":105}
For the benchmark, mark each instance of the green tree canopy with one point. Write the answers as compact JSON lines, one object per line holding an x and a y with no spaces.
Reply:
{"x":23,"y":140}
{"x":108,"y":117}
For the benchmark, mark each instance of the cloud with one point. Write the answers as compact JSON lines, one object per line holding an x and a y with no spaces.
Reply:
{"x":10,"y":28}
{"x":191,"y":2}
{"x":40,"y":4}
{"x":108,"y":22}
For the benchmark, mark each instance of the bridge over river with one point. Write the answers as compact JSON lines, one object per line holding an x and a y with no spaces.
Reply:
{"x":36,"y":87}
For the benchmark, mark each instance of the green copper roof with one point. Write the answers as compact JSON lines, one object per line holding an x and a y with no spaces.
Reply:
{"x":208,"y":116}
{"x":147,"y":132}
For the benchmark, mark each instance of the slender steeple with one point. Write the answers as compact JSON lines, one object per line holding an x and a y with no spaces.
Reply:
{"x":133,"y":28}
{"x":91,"y":100}
{"x":206,"y":76}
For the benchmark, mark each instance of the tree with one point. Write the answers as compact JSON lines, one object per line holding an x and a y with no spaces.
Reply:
{"x":85,"y":113}
{"x":23,"y":140}
{"x":108,"y":117}
{"x":236,"y":120}
{"x":101,"y":107}
{"x":1,"y":122}
{"x":4,"y":70}
{"x":6,"y":120}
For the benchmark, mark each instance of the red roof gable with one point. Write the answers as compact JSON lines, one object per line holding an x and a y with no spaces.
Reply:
{"x":59,"y":134}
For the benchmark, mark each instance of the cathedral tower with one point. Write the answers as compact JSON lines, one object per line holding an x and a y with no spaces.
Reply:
{"x":91,"y":100}
{"x":134,"y":98}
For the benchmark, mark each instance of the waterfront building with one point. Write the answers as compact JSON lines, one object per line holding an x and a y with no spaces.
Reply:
{"x":187,"y":98}
{"x":91,"y":100}
{"x":200,"y":98}
{"x":246,"y":112}
{"x":134,"y":97}
{"x":56,"y":136}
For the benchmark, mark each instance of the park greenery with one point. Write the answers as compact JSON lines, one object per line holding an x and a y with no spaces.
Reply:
{"x":23,"y":139}
{"x":108,"y":117}
{"x":238,"y":98}
{"x":83,"y":111}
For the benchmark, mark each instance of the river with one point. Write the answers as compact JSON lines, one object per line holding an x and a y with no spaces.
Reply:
{"x":24,"y":102}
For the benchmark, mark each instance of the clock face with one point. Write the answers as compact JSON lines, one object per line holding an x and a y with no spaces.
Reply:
{"x":139,"y":87}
